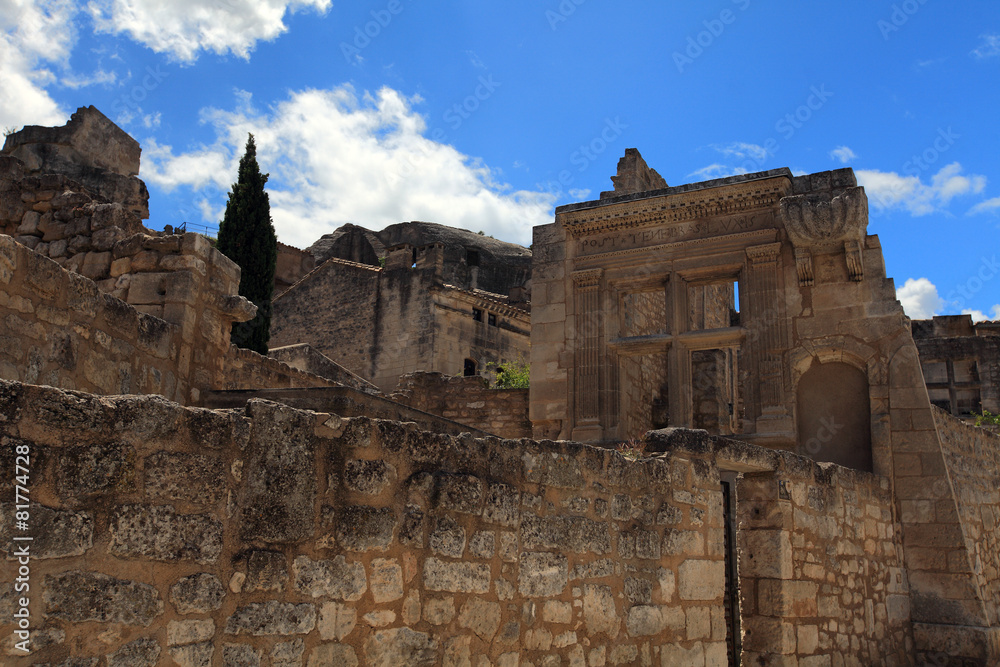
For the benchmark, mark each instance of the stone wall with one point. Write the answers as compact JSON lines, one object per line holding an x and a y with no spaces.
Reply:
{"x":384,"y":323}
{"x":821,"y":573}
{"x":972,"y":457}
{"x":280,"y":537}
{"x":58,"y":328}
{"x":467,"y":400}
{"x":348,"y":294}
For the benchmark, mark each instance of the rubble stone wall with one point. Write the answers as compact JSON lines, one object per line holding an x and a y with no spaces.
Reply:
{"x":469,"y":401}
{"x":276,"y":536}
{"x":821,"y":572}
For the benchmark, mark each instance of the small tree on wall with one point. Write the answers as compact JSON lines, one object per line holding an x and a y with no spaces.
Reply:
{"x":246,"y":236}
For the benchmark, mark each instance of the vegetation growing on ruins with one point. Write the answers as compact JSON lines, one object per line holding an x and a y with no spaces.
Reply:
{"x":633,"y":449}
{"x":512,"y":374}
{"x":246,"y":236}
{"x":987,"y":418}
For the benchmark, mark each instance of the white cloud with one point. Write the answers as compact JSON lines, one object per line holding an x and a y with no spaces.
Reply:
{"x":184,"y":28}
{"x":33,"y":35}
{"x":716,"y":170}
{"x":336,"y":157}
{"x":919,"y":298}
{"x":989,"y":48}
{"x":843,"y":153}
{"x":890,"y":190}
{"x":980,"y":316}
{"x":988,"y":206}
{"x":742,"y":150}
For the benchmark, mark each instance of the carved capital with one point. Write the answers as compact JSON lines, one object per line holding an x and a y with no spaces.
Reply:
{"x":818,"y":219}
{"x":764,"y":254}
{"x":587,"y":278}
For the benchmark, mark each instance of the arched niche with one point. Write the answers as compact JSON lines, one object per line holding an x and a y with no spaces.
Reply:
{"x":834,"y":415}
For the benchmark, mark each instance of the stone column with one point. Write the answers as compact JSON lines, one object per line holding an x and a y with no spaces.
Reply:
{"x":767,"y":338}
{"x":589,"y":356}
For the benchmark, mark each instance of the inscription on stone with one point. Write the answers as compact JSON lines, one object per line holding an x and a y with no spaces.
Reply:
{"x":629,"y":239}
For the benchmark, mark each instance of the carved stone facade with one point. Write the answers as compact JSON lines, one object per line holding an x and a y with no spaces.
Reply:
{"x":636,"y":325}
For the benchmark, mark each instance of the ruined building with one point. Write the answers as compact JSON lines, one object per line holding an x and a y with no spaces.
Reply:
{"x":446,"y":300}
{"x":823,"y":513}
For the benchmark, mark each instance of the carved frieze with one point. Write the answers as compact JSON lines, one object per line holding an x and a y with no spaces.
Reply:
{"x":699,"y":207}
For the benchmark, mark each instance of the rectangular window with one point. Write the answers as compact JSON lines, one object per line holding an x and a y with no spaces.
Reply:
{"x":493,"y":320}
{"x":477,"y":315}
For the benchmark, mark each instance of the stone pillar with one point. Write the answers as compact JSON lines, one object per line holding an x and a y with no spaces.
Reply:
{"x":589,"y":357}
{"x":767,"y":338}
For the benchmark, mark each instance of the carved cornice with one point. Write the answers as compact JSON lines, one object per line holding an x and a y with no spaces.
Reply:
{"x":681,"y":207}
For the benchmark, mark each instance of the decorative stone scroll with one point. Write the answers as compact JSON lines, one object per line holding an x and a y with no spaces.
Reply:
{"x":820,"y":221}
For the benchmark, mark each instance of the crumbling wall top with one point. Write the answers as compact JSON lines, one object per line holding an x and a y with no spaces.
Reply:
{"x":89,"y":139}
{"x":634,"y":175}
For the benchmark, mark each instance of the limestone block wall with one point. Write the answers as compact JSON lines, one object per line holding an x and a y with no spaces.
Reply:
{"x":469,"y":401}
{"x":972,"y":457}
{"x":821,"y":573}
{"x":333,"y":310}
{"x":275,"y":536}
{"x":58,"y":327}
{"x":61,"y":219}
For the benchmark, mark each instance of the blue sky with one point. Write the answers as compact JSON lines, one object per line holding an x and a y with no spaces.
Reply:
{"x":487,"y":115}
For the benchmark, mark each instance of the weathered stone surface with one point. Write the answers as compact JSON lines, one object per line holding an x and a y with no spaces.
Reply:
{"x":447,"y":538}
{"x":333,"y":655}
{"x":191,"y":631}
{"x":330,"y":578}
{"x":158,"y":532}
{"x":369,"y":477}
{"x":701,"y":579}
{"x":483,"y":544}
{"x":193,"y":655}
{"x":336,"y":620}
{"x":576,"y":534}
{"x":480,"y":616}
{"x":197,"y":594}
{"x":439,"y":611}
{"x":266,"y":571}
{"x":362,"y":528}
{"x":461,"y":493}
{"x":87,"y":596}
{"x":400,"y":646}
{"x":139,"y":653}
{"x":102,"y":468}
{"x":240,"y":655}
{"x":272,"y":618}
{"x":456,"y":577}
{"x":386,"y":580}
{"x":502,"y":505}
{"x":192,"y":477}
{"x":277,"y":501}
{"x":542,"y":574}
{"x":55,"y":533}
{"x":599,"y":612}
{"x":288,"y":654}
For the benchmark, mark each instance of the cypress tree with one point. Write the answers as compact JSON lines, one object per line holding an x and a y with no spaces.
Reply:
{"x":246,"y":236}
